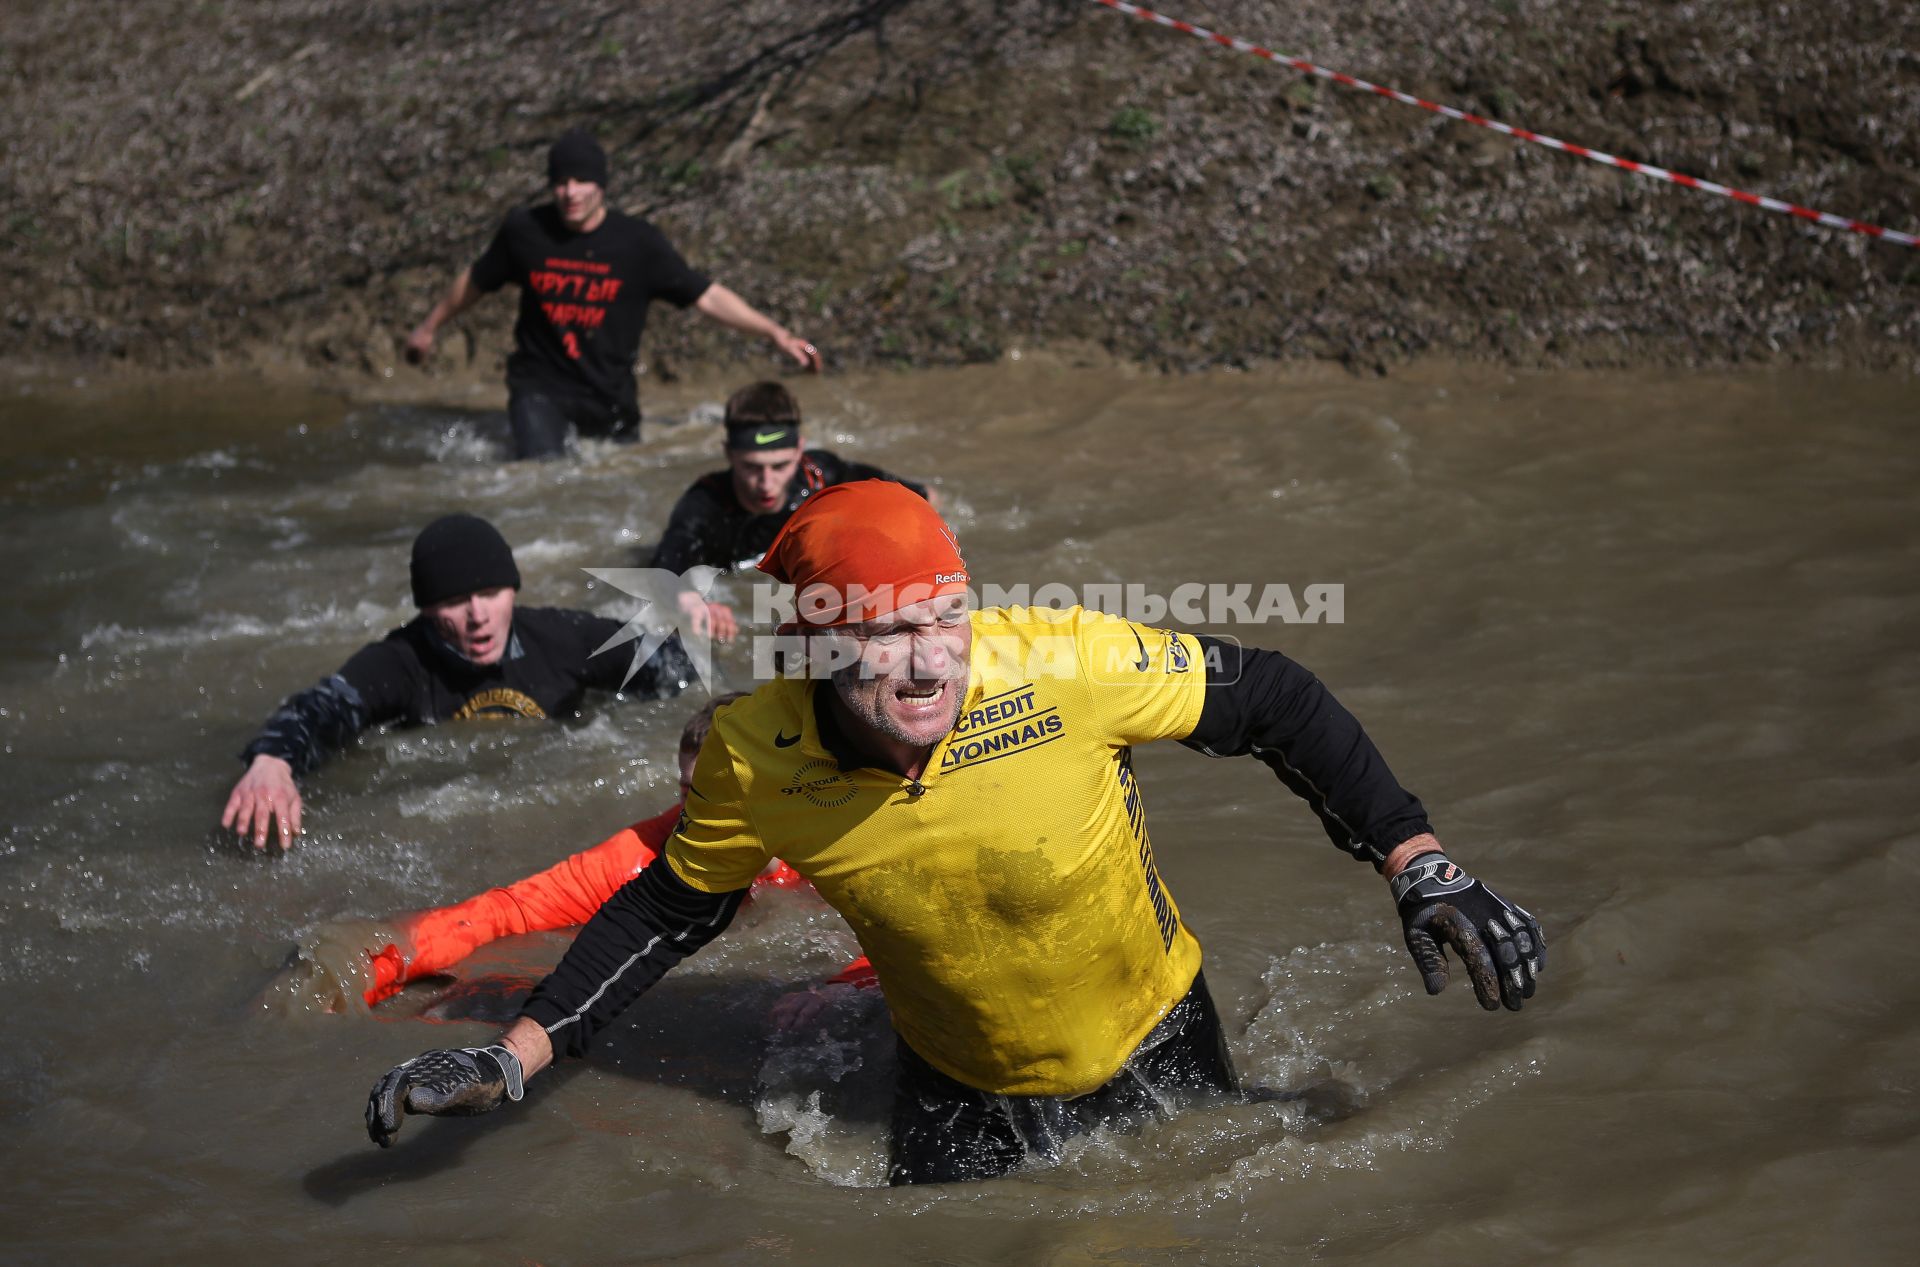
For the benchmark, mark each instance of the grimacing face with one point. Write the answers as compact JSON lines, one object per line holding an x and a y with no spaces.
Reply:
{"x":761,"y":477}
{"x":910,"y":678}
{"x":476,"y":625}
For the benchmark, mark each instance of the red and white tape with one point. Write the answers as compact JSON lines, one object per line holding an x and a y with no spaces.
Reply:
{"x":1625,"y":164}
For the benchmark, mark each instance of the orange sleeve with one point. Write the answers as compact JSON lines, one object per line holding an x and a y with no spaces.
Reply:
{"x":565,"y":894}
{"x":778,"y":875}
{"x":859,"y":974}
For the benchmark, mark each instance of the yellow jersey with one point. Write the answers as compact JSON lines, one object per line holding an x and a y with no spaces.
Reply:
{"x":1008,"y":898}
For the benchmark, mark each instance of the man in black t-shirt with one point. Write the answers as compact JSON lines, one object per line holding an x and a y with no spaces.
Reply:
{"x":729,"y":518}
{"x":469,"y":653}
{"x":586,"y":275}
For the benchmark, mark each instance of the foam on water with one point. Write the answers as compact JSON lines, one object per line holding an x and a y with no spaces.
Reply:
{"x":827,"y":1090}
{"x":298,"y":625}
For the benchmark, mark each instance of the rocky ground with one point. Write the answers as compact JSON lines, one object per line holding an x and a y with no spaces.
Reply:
{"x":208,"y":183}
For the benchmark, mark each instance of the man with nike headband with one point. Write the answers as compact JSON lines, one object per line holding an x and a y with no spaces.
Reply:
{"x":961,"y":789}
{"x":729,"y":518}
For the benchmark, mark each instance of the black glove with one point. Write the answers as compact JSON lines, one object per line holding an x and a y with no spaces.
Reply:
{"x":448,"y":1083}
{"x":1500,"y":943}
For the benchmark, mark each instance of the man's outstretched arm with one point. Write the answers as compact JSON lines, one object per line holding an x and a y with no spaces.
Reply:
{"x":1262,"y":703}
{"x":651,"y":924}
{"x":306,"y":727}
{"x":729,"y":309}
{"x":460,"y":296}
{"x":565,"y":895}
{"x":371,"y":687}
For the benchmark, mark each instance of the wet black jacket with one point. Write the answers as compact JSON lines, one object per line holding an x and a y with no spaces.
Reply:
{"x":710,"y":526}
{"x":413,"y":677}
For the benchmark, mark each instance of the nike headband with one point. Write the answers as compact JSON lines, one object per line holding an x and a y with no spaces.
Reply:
{"x":750,"y":436}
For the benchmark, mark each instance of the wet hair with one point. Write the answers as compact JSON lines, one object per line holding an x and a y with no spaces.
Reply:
{"x":763,"y":405}
{"x":701,"y":722}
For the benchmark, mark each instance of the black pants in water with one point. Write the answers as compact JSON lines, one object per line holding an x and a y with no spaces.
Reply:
{"x":945,"y":1131}
{"x":540,"y":421}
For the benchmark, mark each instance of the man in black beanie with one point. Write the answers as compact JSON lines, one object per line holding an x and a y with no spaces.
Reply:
{"x":586,"y":275}
{"x":469,"y":653}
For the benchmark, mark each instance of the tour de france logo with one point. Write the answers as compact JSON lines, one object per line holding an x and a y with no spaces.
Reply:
{"x":822,"y":783}
{"x":498,"y":702}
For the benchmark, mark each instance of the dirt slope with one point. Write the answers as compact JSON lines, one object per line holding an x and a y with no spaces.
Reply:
{"x":196,"y":182}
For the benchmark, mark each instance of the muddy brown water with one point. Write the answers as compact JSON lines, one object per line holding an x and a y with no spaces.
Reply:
{"x":1644,"y":644}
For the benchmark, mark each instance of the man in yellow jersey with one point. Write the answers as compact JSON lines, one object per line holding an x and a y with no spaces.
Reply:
{"x":959,"y":785}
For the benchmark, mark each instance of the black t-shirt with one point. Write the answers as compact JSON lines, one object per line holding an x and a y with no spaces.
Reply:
{"x":583,"y":299}
{"x":413,"y":676}
{"x":710,"y":526}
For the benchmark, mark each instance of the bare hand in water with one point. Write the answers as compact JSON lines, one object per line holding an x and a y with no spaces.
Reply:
{"x":265,"y":795}
{"x":804,"y":1008}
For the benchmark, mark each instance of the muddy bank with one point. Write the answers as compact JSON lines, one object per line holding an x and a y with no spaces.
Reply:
{"x":196,"y":183}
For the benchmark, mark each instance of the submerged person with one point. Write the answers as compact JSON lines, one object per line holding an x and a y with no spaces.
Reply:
{"x":586,"y":275}
{"x":471,"y":652}
{"x":728,"y":518}
{"x":961,"y":789}
{"x":566,"y":895}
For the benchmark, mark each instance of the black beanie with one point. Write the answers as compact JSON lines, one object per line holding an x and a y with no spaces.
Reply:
{"x":577,"y":156}
{"x":456,"y":555}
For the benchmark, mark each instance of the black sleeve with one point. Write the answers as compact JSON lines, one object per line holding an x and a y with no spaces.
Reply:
{"x":373,"y":687}
{"x":651,"y":923}
{"x":1261,"y":702}
{"x":494,"y":268}
{"x":689,"y":527}
{"x":667,"y":671}
{"x":668,"y":275}
{"x":841,"y":471}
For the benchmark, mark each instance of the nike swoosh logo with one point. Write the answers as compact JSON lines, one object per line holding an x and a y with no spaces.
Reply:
{"x":784,"y":741}
{"x":1143,"y":664}
{"x":768,"y":437}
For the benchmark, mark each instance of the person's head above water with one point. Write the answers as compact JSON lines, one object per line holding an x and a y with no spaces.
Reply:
{"x":875,"y":568}
{"x":695,"y":733}
{"x":763,"y":445}
{"x":464,"y":579}
{"x":577,"y":174}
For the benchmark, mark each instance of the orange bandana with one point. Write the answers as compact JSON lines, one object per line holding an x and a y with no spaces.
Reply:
{"x":864,"y":550}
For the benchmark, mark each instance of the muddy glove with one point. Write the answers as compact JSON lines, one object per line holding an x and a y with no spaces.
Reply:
{"x":1500,"y":944}
{"x":457,"y":1083}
